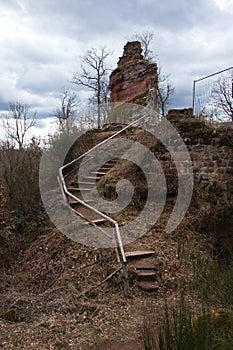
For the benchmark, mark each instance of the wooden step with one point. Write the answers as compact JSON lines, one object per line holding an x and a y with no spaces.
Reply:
{"x":112,"y":161}
{"x":139,"y":254}
{"x":92,"y":177}
{"x":78,"y":189}
{"x":119,"y":155}
{"x":77,"y":182}
{"x":86,"y":183}
{"x":105,"y":168}
{"x":99,"y":172}
{"x":106,"y":165}
{"x":73,"y":201}
{"x":95,"y":221}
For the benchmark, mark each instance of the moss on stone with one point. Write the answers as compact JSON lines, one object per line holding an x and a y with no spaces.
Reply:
{"x":124,"y":113}
{"x":10,"y":315}
{"x":141,"y":99}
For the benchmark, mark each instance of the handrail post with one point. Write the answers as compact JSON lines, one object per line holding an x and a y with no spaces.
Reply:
{"x":126,"y":278}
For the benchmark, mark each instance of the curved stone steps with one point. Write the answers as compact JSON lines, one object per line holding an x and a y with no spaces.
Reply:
{"x":144,"y":270}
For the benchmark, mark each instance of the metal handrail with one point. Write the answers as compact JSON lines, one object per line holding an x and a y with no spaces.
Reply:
{"x":97,"y":212}
{"x":103,"y":142}
{"x":114,"y":222}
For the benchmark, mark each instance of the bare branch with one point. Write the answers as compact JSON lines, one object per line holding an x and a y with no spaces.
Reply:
{"x":66,"y":111}
{"x":145,"y":39}
{"x":94,"y":75}
{"x":222,"y":98}
{"x":165,"y":91}
{"x":18,"y":121}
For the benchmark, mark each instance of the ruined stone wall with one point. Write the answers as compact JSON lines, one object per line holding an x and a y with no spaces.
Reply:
{"x":135,"y":79}
{"x":211,"y":152}
{"x":211,"y":165}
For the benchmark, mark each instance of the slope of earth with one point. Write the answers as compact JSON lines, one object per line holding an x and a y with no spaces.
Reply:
{"x":44,"y":274}
{"x":41,"y":306}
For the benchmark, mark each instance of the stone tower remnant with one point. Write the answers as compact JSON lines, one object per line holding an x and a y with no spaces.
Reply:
{"x":135,"y":79}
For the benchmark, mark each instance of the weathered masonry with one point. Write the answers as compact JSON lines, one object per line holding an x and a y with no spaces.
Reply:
{"x":135,"y":79}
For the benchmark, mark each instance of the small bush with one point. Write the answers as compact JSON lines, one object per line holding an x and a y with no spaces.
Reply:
{"x":180,"y":330}
{"x":20,"y":176}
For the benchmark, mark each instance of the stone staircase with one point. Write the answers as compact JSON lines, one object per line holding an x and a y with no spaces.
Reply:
{"x":136,"y":261}
{"x":86,"y":185}
{"x":143,"y":270}
{"x":140,"y":266}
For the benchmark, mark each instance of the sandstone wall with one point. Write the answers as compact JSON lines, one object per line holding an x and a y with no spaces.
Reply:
{"x":210,"y":149}
{"x":212,"y":165}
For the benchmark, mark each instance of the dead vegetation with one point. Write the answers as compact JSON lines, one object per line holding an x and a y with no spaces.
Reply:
{"x":43,"y":285}
{"x":43,"y":275}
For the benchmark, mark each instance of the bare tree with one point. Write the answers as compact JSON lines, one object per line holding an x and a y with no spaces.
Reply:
{"x":165,"y":91}
{"x":66,"y":111}
{"x":145,"y":39}
{"x":222,"y":96}
{"x":18,"y":121}
{"x":94,"y":75}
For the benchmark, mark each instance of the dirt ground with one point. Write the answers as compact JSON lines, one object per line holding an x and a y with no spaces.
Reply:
{"x":116,"y":345}
{"x":43,"y":274}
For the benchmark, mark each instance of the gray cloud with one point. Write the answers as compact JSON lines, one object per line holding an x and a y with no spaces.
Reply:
{"x":41,"y":43}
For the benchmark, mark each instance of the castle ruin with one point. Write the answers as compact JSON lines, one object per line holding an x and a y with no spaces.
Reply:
{"x":135,"y":79}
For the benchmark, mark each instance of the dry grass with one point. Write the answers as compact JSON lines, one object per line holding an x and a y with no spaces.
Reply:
{"x":43,"y":272}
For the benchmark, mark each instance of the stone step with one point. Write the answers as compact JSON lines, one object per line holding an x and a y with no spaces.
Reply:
{"x":145,"y":265}
{"x":148,"y":286}
{"x":146,"y":276}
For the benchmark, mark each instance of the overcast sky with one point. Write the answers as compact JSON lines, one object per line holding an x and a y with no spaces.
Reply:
{"x":41,"y":43}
